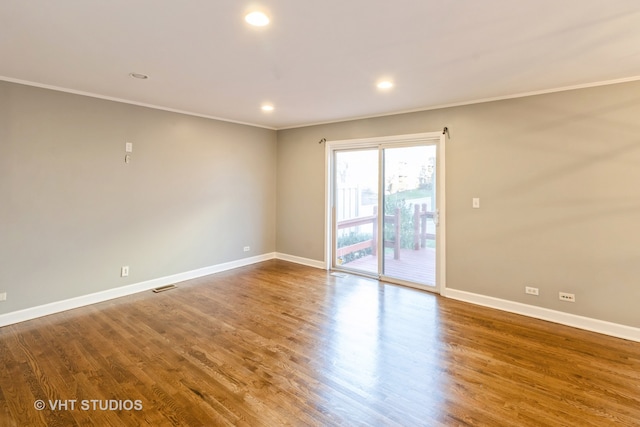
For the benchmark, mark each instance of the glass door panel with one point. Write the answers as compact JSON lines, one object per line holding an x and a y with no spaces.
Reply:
{"x":410,"y":214}
{"x":356,"y":210}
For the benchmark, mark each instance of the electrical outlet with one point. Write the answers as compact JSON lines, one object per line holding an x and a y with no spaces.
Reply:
{"x":124,"y":271}
{"x":564,"y":296}
{"x":475,"y":203}
{"x":531,"y":291}
{"x":3,"y":296}
{"x":247,"y":248}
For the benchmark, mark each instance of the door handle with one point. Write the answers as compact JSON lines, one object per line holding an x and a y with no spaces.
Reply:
{"x":436,"y":217}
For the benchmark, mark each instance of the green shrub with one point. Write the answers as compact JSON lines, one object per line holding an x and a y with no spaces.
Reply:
{"x":351,"y":239}
{"x":391,"y":202}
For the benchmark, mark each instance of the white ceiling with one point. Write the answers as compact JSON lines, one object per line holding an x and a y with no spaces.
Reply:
{"x":318,"y":61}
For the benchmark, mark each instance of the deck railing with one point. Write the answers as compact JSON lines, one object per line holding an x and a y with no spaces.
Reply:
{"x":420,"y":235}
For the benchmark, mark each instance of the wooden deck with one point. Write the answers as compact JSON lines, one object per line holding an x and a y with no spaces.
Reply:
{"x":413,"y":266}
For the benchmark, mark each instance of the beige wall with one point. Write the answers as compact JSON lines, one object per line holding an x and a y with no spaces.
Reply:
{"x":557,"y":175}
{"x":559,"y":180}
{"x":72,"y":213}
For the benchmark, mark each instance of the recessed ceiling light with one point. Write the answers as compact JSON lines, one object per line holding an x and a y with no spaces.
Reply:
{"x":139,"y":76}
{"x":267,"y":107}
{"x":385,"y":85}
{"x":257,"y":19}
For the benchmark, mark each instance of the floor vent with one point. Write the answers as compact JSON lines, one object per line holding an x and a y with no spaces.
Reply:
{"x":164,"y":288}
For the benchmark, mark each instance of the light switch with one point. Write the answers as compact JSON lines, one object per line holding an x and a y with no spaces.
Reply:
{"x":476,"y":203}
{"x":128,"y":147}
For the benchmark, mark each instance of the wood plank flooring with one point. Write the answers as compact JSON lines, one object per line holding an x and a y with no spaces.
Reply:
{"x":277,"y":344}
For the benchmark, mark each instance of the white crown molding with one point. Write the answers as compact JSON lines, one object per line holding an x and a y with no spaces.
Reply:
{"x":127,"y":101}
{"x":471,"y":102}
{"x":328,"y":122}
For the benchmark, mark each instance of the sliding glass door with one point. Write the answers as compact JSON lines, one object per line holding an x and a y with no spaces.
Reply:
{"x":356,"y":186}
{"x":409,"y":221}
{"x":385,"y":209}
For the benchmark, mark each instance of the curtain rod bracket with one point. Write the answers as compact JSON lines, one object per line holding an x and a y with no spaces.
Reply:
{"x":322,"y":140}
{"x":445,"y":131}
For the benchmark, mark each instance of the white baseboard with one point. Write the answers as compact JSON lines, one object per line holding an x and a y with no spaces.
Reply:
{"x":586,"y":323}
{"x":299,"y":260}
{"x":81,"y":301}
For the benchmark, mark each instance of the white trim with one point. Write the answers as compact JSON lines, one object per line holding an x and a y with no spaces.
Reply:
{"x":94,"y":298}
{"x":328,"y":122}
{"x":127,"y":101}
{"x":380,"y":249}
{"x":471,"y":102}
{"x":567,"y":319}
{"x":328,"y":205}
{"x":441,"y":206}
{"x":343,"y":144}
{"x":304,"y":261}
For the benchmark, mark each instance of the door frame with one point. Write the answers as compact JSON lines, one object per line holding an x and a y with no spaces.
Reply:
{"x":389,"y":141}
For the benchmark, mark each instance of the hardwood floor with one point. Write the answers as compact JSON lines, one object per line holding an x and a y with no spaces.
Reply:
{"x":282,"y":344}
